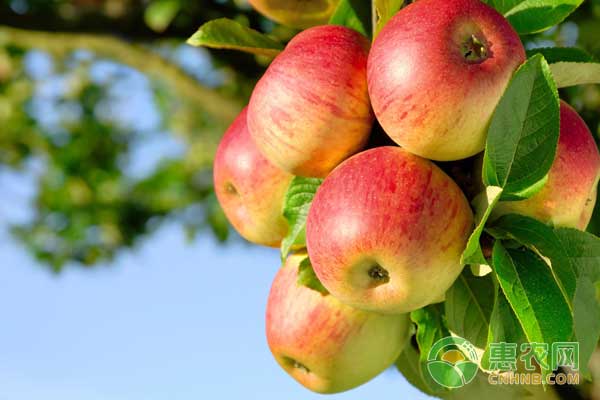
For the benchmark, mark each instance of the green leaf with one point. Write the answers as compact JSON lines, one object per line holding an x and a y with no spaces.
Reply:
{"x":523,"y":133}
{"x":534,"y":296}
{"x":308,"y":278}
{"x":575,"y":261}
{"x":575,"y":73}
{"x":504,"y":326}
{"x":584,"y":249}
{"x":586,"y":321}
{"x":531,"y":16}
{"x":542,"y":238}
{"x":430,"y":329}
{"x":160,"y":13}
{"x":594,"y":225}
{"x":484,"y":204}
{"x":468,"y":306}
{"x":561,"y":54}
{"x":354,"y":14}
{"x":384,"y":10}
{"x":295,"y":210}
{"x":570,"y":66}
{"x":224,"y":33}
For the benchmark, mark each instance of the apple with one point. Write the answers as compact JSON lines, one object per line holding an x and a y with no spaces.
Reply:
{"x":249,"y":188}
{"x":296,"y":13}
{"x":568,"y":197}
{"x":311,"y":109}
{"x":436,"y":72}
{"x":386,"y":230}
{"x":325,"y":345}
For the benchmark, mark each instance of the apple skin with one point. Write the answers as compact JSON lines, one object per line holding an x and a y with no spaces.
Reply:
{"x":426,"y":95}
{"x":568,"y":197}
{"x":388,"y":209}
{"x":249,"y":188}
{"x":311,"y":109}
{"x":296,"y":13}
{"x":325,"y":345}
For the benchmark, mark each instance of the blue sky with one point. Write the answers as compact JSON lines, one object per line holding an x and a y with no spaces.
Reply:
{"x":171,"y":319}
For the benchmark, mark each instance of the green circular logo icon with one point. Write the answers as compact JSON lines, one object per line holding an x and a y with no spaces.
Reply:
{"x":452,"y":362}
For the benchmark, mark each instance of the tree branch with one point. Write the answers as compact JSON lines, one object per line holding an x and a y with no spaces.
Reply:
{"x":135,"y":56}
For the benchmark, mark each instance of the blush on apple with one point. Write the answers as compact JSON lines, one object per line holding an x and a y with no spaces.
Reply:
{"x":325,"y":345}
{"x":311,"y":109}
{"x":386,"y":231}
{"x":436,"y":72}
{"x":249,"y":188}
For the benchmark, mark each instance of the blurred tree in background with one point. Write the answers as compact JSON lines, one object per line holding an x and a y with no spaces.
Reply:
{"x":116,"y":120}
{"x":83,"y":86}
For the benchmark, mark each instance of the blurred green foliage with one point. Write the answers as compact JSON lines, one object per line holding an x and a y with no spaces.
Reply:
{"x":88,"y":205}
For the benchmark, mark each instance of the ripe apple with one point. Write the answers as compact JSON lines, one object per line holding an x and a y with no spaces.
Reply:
{"x":325,"y":345}
{"x":311,"y":108}
{"x":436,"y":73}
{"x":386,"y":231}
{"x":569,"y":195}
{"x":249,"y":188}
{"x":296,"y":13}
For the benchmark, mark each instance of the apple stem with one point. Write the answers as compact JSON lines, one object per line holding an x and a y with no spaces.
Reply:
{"x":474,"y":50}
{"x":380,"y":274}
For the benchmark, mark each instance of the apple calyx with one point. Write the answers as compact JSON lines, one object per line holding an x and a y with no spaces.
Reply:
{"x":230,"y":189}
{"x":297,"y":365}
{"x":474,"y":50}
{"x":379,"y":274}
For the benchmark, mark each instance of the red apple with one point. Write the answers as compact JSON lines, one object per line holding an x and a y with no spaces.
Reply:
{"x":568,"y":197}
{"x":249,"y":188}
{"x":325,"y":345}
{"x":296,"y":13}
{"x":436,"y":73}
{"x":311,"y":108}
{"x":386,"y":231}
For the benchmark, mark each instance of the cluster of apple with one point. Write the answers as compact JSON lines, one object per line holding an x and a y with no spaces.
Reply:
{"x":387,"y":227}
